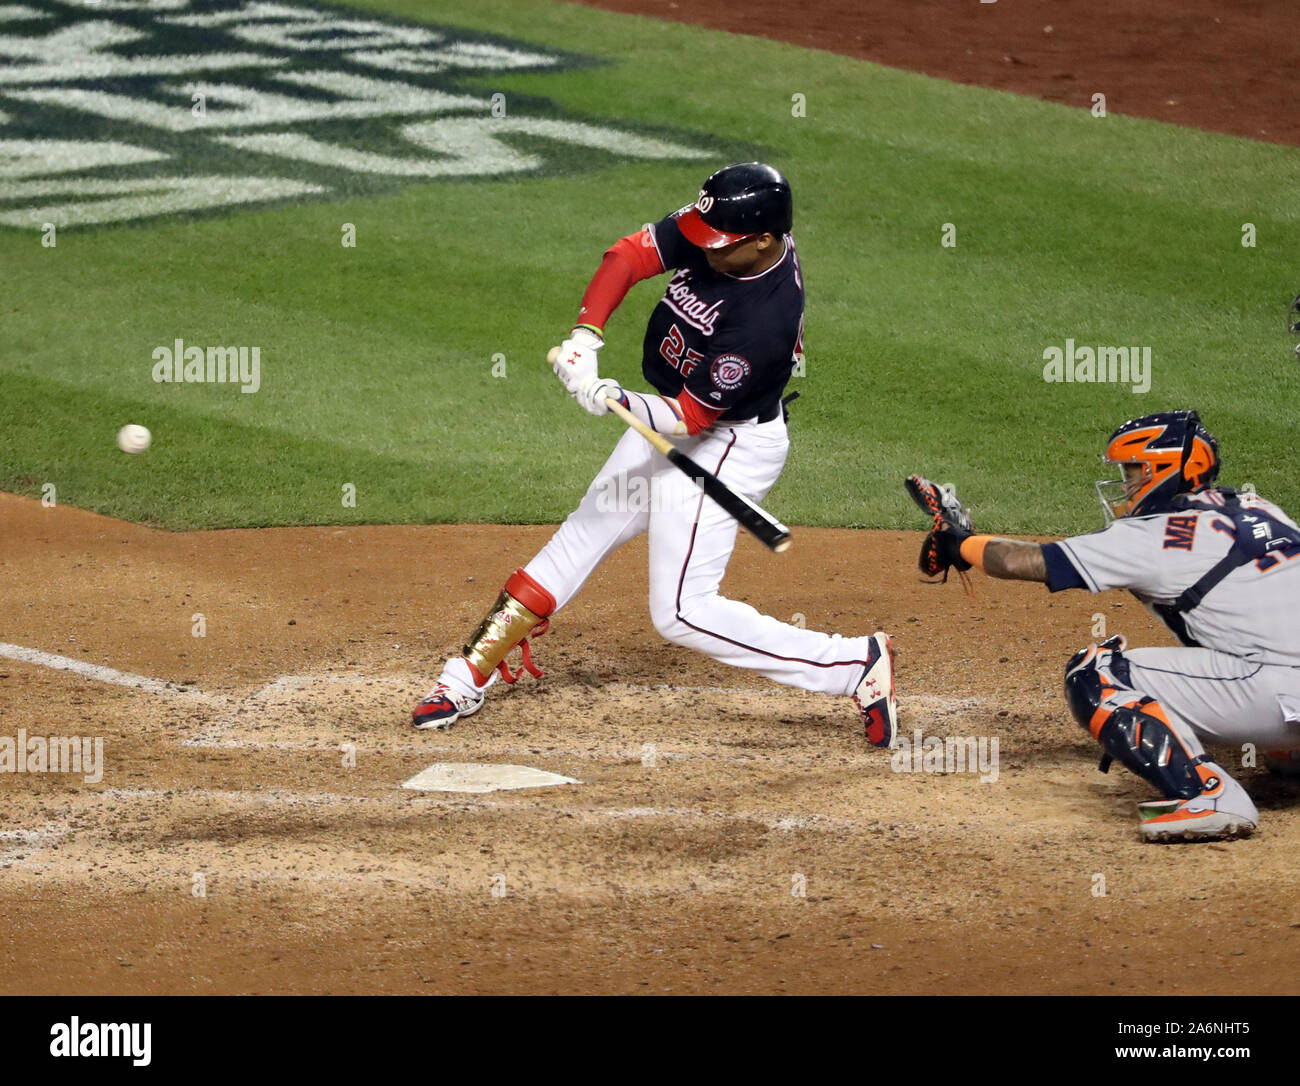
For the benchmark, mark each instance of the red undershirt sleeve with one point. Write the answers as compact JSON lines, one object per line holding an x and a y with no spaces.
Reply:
{"x":628,"y":261}
{"x":697,"y":416}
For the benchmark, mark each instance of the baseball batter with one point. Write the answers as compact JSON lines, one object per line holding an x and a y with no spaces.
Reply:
{"x":1218,"y":567}
{"x":718,"y":351}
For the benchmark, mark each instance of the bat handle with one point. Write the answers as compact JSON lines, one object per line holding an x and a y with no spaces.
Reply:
{"x":653,"y":436}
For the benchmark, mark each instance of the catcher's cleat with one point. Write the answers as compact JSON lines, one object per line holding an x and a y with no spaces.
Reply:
{"x":1223,"y":810}
{"x":443,"y":707}
{"x":874,"y":695}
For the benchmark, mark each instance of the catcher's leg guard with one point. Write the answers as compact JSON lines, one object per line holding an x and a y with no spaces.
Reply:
{"x":1129,"y":725}
{"x":521,"y":611}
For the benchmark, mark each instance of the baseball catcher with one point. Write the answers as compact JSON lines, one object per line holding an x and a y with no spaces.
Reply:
{"x":717,"y":353}
{"x":1217,"y":567}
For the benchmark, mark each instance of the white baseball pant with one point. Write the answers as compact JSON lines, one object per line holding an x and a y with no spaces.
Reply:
{"x":690,"y":541}
{"x":1215,"y":697}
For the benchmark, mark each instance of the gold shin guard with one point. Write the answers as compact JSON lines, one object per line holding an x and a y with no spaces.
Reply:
{"x":521,"y":610}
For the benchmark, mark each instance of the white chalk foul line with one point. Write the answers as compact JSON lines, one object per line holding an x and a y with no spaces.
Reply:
{"x":100,"y":674}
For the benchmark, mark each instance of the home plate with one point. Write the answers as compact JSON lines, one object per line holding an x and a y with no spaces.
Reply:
{"x":478,"y":777}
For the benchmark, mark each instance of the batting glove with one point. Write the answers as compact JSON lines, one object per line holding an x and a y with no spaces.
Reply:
{"x":590,"y":392}
{"x":577,"y":357}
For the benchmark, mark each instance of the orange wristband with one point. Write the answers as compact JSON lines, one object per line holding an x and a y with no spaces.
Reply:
{"x":972,"y":549}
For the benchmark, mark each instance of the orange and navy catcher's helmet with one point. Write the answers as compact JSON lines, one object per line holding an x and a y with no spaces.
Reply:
{"x":1177,"y":455}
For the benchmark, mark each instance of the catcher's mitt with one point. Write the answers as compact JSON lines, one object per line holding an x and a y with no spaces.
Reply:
{"x":952,"y":524}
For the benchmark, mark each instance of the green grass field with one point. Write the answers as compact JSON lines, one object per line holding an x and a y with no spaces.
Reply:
{"x":377,"y":361}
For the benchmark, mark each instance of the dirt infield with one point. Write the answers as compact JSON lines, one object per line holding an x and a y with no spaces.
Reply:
{"x":1203,"y":63}
{"x":707,"y":797}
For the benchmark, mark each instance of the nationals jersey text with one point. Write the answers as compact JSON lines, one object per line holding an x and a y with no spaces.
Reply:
{"x":729,"y":341}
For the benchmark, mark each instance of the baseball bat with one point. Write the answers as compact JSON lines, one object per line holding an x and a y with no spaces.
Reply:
{"x":757,"y":521}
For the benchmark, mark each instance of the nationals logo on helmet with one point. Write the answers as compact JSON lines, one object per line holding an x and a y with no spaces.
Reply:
{"x":705,"y":203}
{"x":728,"y":371}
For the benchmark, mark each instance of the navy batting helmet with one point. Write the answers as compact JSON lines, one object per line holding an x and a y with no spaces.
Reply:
{"x":1177,"y":454}
{"x":736,"y":203}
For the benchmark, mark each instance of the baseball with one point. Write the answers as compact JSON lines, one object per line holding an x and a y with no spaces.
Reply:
{"x":552,"y":355}
{"x":133,"y":439}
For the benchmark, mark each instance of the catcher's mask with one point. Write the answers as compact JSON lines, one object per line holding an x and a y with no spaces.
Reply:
{"x":1175,"y":455}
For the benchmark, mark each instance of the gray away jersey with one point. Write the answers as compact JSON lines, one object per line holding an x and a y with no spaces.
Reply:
{"x":1254,"y":612}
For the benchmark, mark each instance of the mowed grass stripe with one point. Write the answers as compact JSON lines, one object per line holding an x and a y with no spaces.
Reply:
{"x":207,"y":471}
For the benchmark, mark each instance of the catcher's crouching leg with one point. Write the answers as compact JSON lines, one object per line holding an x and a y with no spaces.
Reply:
{"x":1129,"y":726}
{"x":522,"y":611}
{"x":1203,"y":801}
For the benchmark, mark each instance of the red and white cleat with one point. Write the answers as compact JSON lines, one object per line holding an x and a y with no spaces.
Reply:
{"x":443,"y":707}
{"x":874,"y":695}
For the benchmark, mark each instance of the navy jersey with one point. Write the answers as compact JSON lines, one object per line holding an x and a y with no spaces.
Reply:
{"x":729,"y":341}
